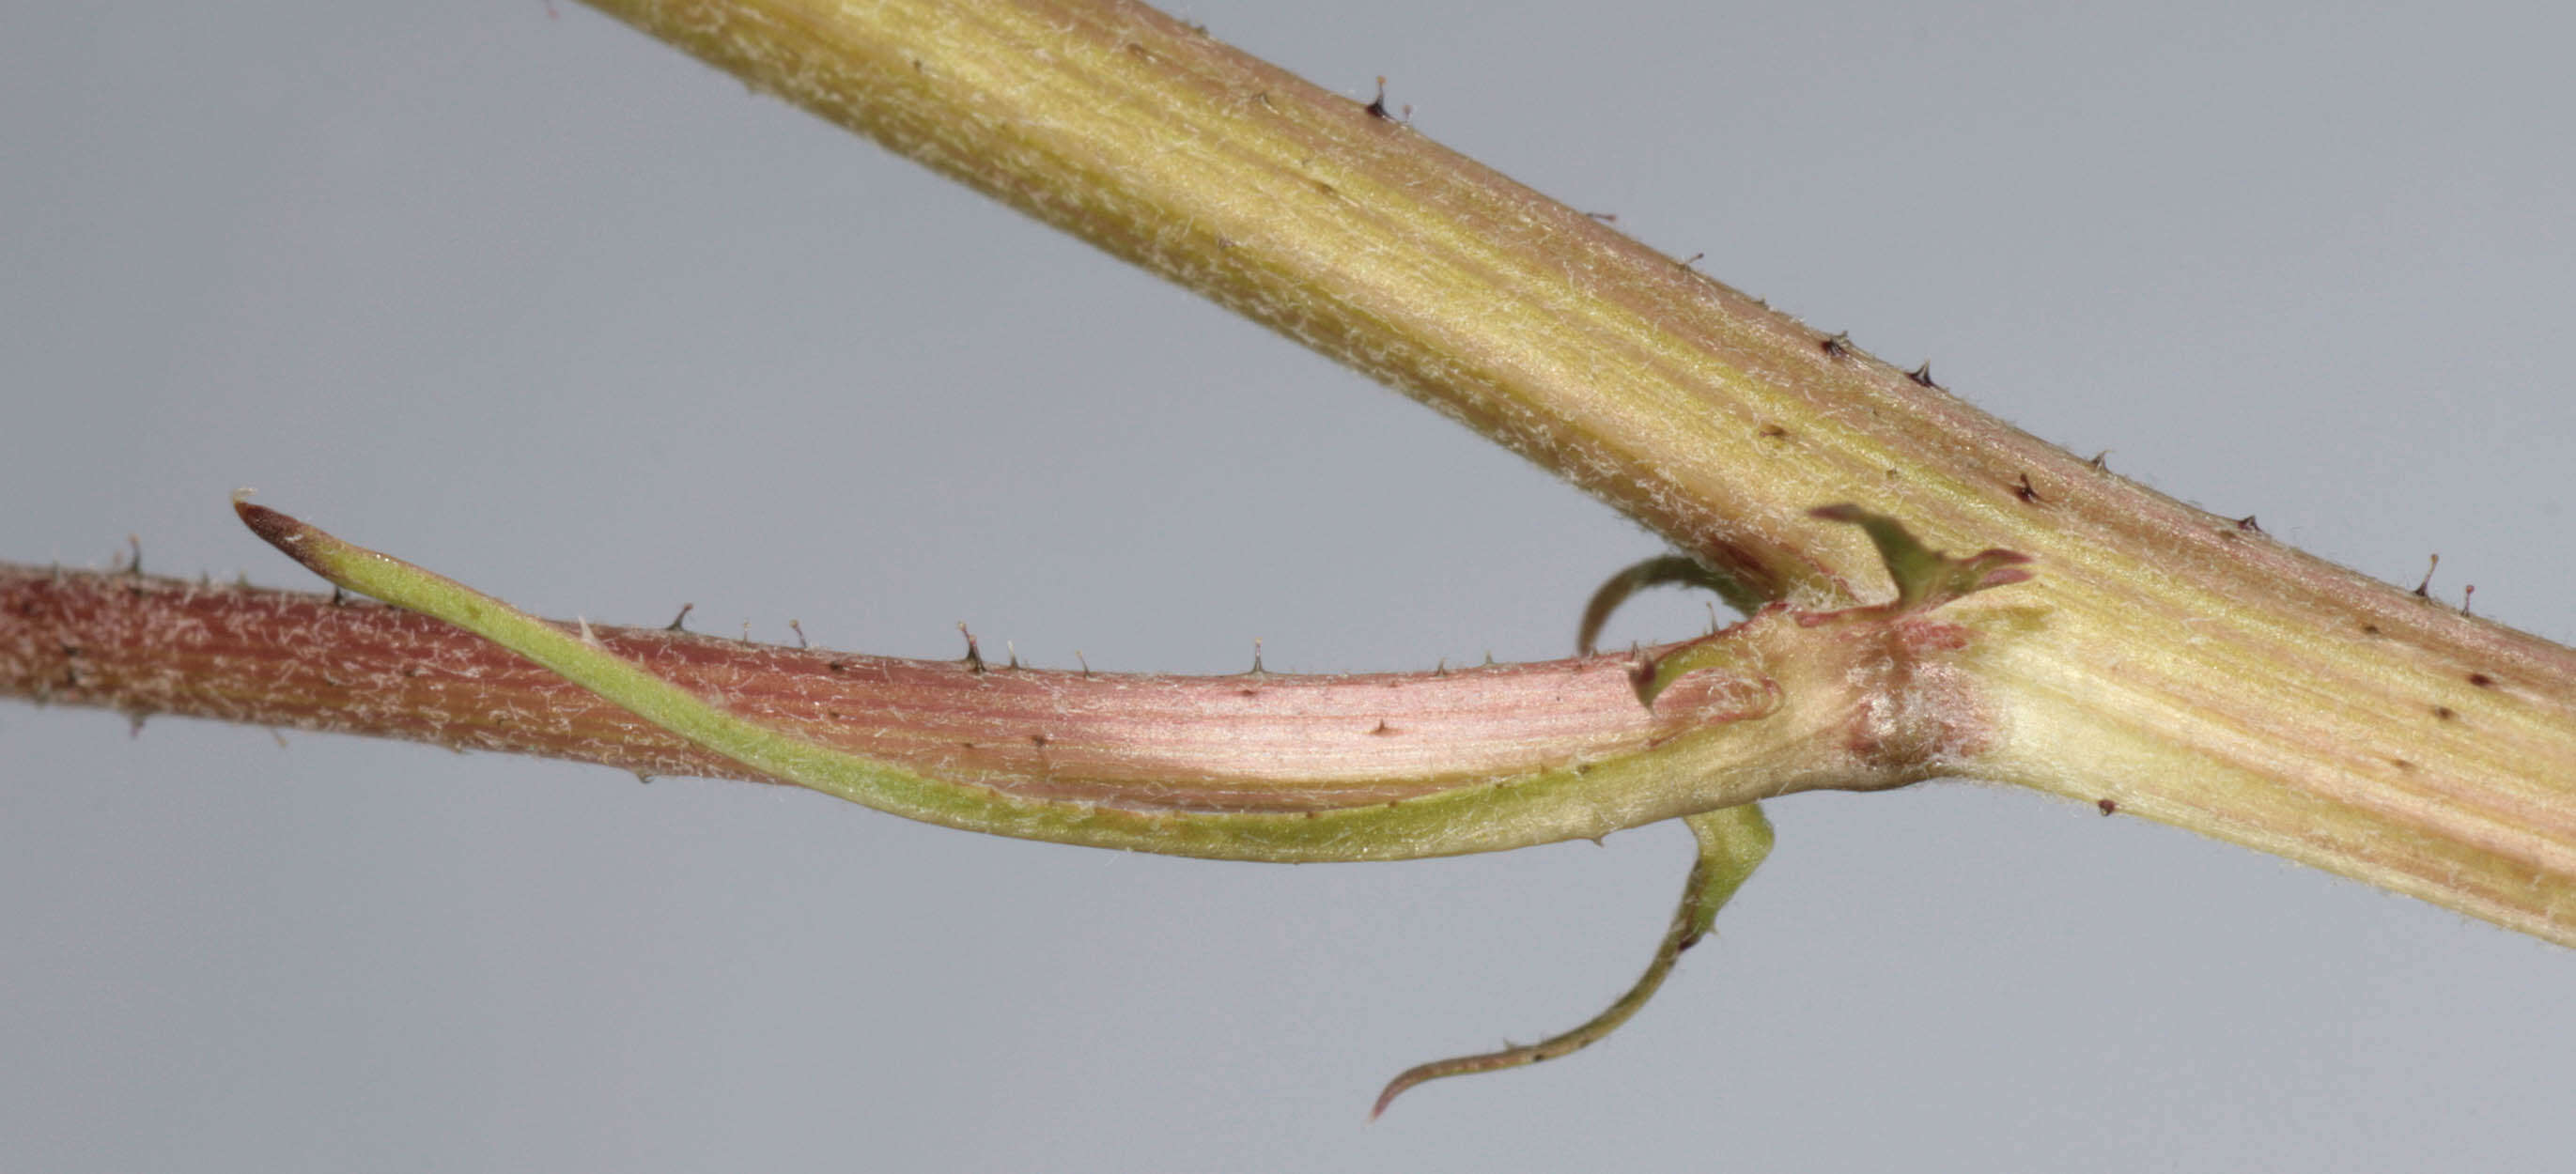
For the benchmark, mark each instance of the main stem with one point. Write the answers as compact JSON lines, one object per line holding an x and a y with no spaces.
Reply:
{"x":2179,"y":665}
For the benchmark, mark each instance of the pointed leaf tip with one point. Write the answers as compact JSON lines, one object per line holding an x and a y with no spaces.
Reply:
{"x":277,"y":529}
{"x":292,"y":536}
{"x":1722,"y":652}
{"x":1924,"y":577}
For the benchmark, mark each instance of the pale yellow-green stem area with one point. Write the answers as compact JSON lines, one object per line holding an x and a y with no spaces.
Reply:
{"x":2177,"y":664}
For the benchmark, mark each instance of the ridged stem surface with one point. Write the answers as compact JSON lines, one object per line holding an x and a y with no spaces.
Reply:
{"x":2183,"y":666}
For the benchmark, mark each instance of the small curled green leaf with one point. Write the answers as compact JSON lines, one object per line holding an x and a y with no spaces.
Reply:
{"x":1732,"y":842}
{"x":1656,"y":572}
{"x":1709,"y":653}
{"x":1926,"y":578}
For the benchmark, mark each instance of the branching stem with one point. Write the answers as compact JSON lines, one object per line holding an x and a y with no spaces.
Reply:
{"x":1785,"y":701}
{"x":2154,"y":658}
{"x":2188,"y":668}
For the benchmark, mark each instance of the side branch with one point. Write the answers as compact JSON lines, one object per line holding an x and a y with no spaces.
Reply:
{"x":2173,"y":662}
{"x":1255,"y":766}
{"x":150,"y":645}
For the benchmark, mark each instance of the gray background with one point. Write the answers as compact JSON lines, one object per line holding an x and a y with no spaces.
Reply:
{"x":532,"y":300}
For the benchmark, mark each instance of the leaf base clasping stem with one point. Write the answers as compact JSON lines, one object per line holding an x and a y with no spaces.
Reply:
{"x":1787,"y":700}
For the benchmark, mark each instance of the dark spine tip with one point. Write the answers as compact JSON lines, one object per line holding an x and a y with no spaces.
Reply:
{"x":276,"y":528}
{"x":282,"y":531}
{"x":1641,"y":679}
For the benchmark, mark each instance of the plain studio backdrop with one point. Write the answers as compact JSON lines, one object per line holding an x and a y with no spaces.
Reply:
{"x":514,"y":292}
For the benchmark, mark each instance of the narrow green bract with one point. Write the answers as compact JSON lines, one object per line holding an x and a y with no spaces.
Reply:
{"x":1538,"y":807}
{"x":1732,"y":842}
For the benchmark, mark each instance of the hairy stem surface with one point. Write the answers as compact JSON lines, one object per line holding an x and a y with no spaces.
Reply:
{"x":2178,"y":664}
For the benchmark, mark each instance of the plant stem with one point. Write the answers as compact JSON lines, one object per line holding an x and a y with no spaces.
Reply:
{"x":147,"y":645}
{"x":1252,"y":766}
{"x":2180,"y":665}
{"x":2164,"y":661}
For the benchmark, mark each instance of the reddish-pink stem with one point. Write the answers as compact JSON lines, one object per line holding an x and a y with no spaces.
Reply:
{"x":1253,"y":742}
